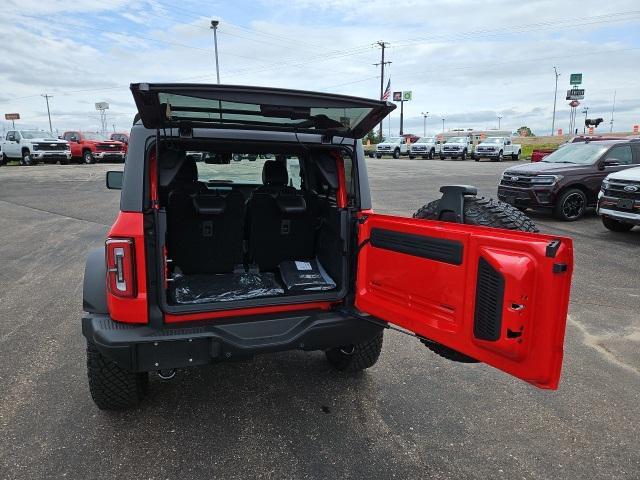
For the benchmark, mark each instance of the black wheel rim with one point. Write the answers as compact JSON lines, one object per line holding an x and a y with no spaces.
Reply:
{"x":573,"y":205}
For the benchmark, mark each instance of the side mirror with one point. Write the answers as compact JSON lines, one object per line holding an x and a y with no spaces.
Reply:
{"x":610,"y":162}
{"x":114,"y":179}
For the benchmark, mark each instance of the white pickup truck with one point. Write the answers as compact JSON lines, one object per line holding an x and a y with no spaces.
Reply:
{"x":496,"y":148}
{"x":34,"y":146}
{"x":395,"y":146}
{"x":457,"y":147}
{"x":425,"y":147}
{"x":619,"y":200}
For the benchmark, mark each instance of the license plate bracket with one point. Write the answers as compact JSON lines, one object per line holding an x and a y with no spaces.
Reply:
{"x":625,"y":203}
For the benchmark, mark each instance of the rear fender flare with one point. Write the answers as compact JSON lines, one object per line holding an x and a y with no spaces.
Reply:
{"x":94,"y":288}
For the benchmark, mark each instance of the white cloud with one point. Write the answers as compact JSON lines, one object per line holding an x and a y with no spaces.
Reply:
{"x":451,"y":54}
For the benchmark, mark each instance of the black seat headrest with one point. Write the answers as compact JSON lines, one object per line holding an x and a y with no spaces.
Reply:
{"x":275,"y":173}
{"x":188,"y":172}
{"x":209,"y":204}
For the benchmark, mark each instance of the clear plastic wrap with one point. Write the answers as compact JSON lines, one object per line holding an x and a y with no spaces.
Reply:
{"x":305,"y":276}
{"x":225,"y":287}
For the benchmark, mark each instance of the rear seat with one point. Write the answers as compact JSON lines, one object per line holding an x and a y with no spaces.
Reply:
{"x":279,"y":224}
{"x":204,"y":229}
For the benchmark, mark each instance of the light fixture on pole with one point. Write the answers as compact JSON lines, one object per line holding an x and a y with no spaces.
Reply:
{"x":499,"y":118}
{"x":555,"y":97}
{"x":214,"y":27}
{"x":424,"y":124}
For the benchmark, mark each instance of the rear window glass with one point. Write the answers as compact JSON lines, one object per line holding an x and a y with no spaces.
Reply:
{"x":235,"y":113}
{"x":243,"y":169}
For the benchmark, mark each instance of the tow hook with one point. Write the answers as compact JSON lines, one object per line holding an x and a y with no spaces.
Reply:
{"x":166,"y":374}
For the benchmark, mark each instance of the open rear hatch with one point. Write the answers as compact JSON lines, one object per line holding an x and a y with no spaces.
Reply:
{"x":165,"y":105}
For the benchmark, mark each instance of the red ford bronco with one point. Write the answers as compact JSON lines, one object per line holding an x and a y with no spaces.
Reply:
{"x":226,"y":258}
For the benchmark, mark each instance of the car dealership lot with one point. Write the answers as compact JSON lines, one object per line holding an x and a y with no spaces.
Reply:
{"x":287,"y":415}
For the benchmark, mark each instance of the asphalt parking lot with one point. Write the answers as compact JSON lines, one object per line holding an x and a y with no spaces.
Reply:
{"x":413,"y":415}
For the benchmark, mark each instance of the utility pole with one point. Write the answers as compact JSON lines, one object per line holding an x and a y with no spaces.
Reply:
{"x":499,"y":118}
{"x":443,"y":126}
{"x":214,"y":27}
{"x":47,"y":97}
{"x":382,"y":63}
{"x":401,"y":115}
{"x":424,"y":125}
{"x":555,"y":97}
{"x":585,"y":110}
{"x":613,"y":109}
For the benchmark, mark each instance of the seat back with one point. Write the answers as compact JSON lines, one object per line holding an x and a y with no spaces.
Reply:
{"x":205,"y":231}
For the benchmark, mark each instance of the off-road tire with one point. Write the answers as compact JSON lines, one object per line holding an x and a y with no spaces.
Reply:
{"x":616,"y":225}
{"x":432,"y":154}
{"x":354,"y":358}
{"x":3,"y":160}
{"x":378,"y":155}
{"x":485,"y":212}
{"x":515,"y":156}
{"x":112,"y":387}
{"x":463,"y":157}
{"x":411,"y":157}
{"x":396,"y":153}
{"x":87,"y":157}
{"x":570,"y":212}
{"x":442,"y":157}
{"x":27,"y":159}
{"x":500,"y":156}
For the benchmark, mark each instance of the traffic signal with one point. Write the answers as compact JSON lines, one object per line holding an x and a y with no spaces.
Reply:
{"x":593,"y":122}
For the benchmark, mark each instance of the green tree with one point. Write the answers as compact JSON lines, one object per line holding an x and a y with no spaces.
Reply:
{"x":524,"y":132}
{"x":373,"y":137}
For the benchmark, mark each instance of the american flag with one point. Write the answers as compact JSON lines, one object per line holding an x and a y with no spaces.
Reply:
{"x":387,"y":91}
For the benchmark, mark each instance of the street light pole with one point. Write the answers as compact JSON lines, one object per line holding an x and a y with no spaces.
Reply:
{"x":424,"y":125}
{"x":555,"y":97}
{"x":214,"y":27}
{"x":47,"y":97}
{"x":443,"y":126}
{"x":499,"y":118}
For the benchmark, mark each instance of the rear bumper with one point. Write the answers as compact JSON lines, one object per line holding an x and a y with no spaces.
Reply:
{"x":143,"y":348}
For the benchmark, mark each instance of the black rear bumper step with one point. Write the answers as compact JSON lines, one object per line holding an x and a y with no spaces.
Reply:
{"x":143,"y":348}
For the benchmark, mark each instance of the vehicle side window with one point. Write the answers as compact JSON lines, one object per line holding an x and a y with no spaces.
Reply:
{"x":17,"y":136}
{"x":10,"y":135}
{"x":67,"y":136}
{"x":293,"y":167}
{"x":636,"y":152}
{"x":621,"y":153}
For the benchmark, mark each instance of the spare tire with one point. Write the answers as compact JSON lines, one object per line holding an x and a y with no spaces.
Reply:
{"x":486,"y":213}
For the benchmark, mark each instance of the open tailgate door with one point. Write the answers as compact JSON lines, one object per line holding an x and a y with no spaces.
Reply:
{"x":497,"y":296}
{"x":164,"y":105}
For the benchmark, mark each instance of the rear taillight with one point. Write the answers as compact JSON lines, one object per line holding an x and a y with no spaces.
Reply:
{"x":121,"y":267}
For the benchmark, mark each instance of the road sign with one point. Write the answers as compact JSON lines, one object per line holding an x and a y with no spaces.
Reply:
{"x":397,"y":96}
{"x":575,"y":94}
{"x":575,"y":79}
{"x":406,"y":96}
{"x":574,"y":103}
{"x":636,"y":128}
{"x":12,"y":116}
{"x":102,"y":106}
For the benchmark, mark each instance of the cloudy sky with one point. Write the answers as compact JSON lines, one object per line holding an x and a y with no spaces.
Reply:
{"x":465,"y":61}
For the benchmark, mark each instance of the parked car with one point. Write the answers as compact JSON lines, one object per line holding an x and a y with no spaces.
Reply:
{"x":568,"y":180}
{"x":395,"y":146}
{"x":425,"y":147}
{"x":122,"y":137}
{"x":619,"y":200}
{"x":91,"y":147}
{"x":457,"y":147}
{"x":221,"y":260}
{"x":31,"y":147}
{"x":496,"y":148}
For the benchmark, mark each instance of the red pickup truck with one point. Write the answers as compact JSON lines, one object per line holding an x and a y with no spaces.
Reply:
{"x":121,"y":137}
{"x":91,"y":147}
